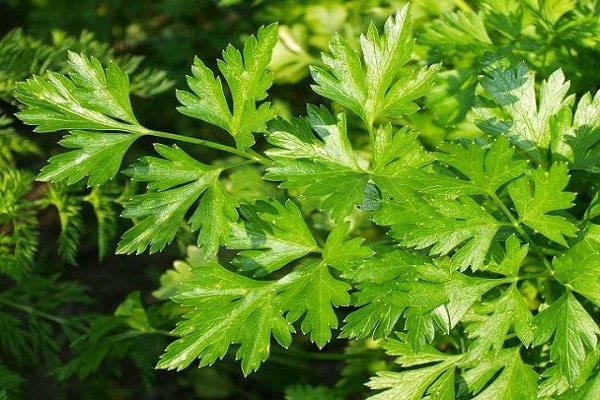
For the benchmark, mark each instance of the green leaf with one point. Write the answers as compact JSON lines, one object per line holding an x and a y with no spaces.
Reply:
{"x":513,"y":258}
{"x":461,"y":290}
{"x":583,"y":137}
{"x":516,"y":379}
{"x":518,"y":114}
{"x":18,"y":224}
{"x":90,"y":98}
{"x":579,"y":267}
{"x":313,"y":296}
{"x":214,"y":214}
{"x":324,"y":165}
{"x":430,"y":373}
{"x":270,"y":235}
{"x":487,"y":168}
{"x":379,"y":85}
{"x":248,"y":81}
{"x":175,"y":183}
{"x":305,"y":392}
{"x":457,"y":32}
{"x":101,"y":200}
{"x":397,"y":152}
{"x":409,"y":385}
{"x":132,"y":312}
{"x":97,"y":155}
{"x":390,"y":286}
{"x":575,"y":334}
{"x":227,"y":308}
{"x":509,"y":311}
{"x":344,"y":254}
{"x":71,"y":223}
{"x":444,"y":224}
{"x":541,"y":193}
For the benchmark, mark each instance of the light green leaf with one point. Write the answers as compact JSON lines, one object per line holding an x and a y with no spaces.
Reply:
{"x":324,"y":165}
{"x":213,"y":217}
{"x":98,"y":156}
{"x":379,"y":84}
{"x":270,"y":235}
{"x":227,"y":308}
{"x":390,"y":286}
{"x":248,"y":80}
{"x":575,"y":334}
{"x":518,"y":114}
{"x":579,"y":267}
{"x":516,"y":380}
{"x":444,"y":224}
{"x":541,"y":193}
{"x":509,"y":311}
{"x":397,"y":152}
{"x":175,"y":183}
{"x":583,"y":137}
{"x":343,"y":254}
{"x":429,"y":373}
{"x":90,"y":98}
{"x":457,"y":31}
{"x":487,"y":168}
{"x":315,"y":297}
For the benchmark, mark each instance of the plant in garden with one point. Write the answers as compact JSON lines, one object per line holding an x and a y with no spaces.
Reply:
{"x":475,"y":264}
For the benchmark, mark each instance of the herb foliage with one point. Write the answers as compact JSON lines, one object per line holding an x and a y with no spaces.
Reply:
{"x":474,"y":263}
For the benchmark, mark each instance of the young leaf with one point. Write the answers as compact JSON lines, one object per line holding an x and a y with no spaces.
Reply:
{"x":175,"y":183}
{"x":325,"y":165}
{"x":227,"y":308}
{"x":575,"y":334}
{"x":379,"y":85}
{"x":248,"y":81}
{"x":270,"y":235}
{"x":534,"y":203}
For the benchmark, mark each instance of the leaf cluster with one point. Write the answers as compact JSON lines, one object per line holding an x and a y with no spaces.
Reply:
{"x":474,"y":263}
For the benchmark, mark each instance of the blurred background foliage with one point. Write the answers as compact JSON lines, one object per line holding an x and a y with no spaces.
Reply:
{"x":76,"y":322}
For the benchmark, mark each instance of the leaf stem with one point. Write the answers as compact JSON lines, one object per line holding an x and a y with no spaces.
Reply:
{"x":31,"y":310}
{"x":249,"y":153}
{"x":517,"y":226}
